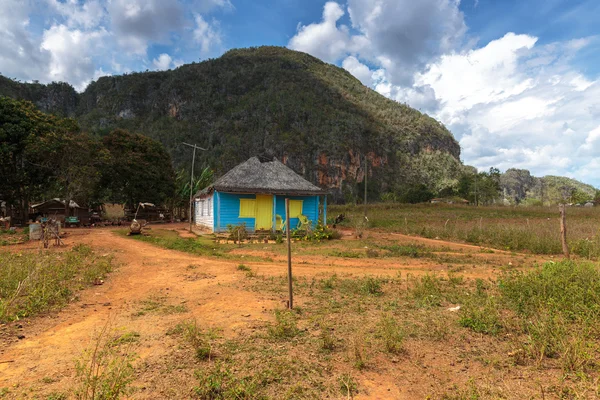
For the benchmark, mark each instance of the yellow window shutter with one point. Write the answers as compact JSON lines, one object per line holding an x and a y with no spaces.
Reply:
{"x":295,"y":208}
{"x":247,"y":208}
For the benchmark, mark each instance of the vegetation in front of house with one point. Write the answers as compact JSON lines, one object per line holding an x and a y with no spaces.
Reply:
{"x":171,"y":240}
{"x":33,"y":283}
{"x":529,"y":229}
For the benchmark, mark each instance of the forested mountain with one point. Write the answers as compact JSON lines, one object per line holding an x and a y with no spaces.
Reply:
{"x":520,"y":187}
{"x":314,"y":116}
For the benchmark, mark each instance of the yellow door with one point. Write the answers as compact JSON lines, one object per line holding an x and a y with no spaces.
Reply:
{"x":264,"y":212}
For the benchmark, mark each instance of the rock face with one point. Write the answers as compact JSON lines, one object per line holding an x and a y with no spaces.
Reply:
{"x":315,"y":117}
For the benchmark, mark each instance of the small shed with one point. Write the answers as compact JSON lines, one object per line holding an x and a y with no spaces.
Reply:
{"x":254,"y":193}
{"x":55,"y":208}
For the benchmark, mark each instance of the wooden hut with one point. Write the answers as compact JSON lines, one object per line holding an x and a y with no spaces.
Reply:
{"x":254,"y":193}
{"x":55,"y":208}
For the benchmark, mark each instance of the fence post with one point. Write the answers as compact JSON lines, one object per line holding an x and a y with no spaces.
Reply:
{"x":563,"y":230}
{"x":289,"y":251}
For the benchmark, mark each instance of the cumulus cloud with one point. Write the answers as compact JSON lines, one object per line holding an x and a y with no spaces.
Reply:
{"x":20,"y":54}
{"x":137,"y":22}
{"x":80,"y":40}
{"x":407,"y":34}
{"x":325,"y":39}
{"x":71,"y":54}
{"x":522,"y":106}
{"x":398,"y":35}
{"x":87,"y":14}
{"x":206,"y":34}
{"x":162,"y":62}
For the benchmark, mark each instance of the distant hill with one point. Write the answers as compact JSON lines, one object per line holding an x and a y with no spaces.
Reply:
{"x":520,"y":187}
{"x":316,"y":117}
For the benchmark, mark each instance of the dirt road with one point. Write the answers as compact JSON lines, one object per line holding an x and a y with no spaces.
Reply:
{"x":209,"y":290}
{"x":51,"y":344}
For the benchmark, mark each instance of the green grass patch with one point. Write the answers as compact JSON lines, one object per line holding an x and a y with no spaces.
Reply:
{"x":33,"y":283}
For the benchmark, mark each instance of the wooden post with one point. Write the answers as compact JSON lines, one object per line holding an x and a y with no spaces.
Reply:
{"x":563,"y":230}
{"x":289,"y":251}
{"x":365,"y":201}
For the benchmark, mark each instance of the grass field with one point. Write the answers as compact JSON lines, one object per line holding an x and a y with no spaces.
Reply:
{"x":35,"y":282}
{"x":531,"y":229}
{"x":403,"y":317}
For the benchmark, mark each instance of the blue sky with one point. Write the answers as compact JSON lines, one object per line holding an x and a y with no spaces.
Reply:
{"x":517,"y":82}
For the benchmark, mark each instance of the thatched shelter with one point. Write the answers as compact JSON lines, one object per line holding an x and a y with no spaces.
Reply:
{"x":55,"y":208}
{"x":254,"y":193}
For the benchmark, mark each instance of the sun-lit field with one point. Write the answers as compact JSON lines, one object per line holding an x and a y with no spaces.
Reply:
{"x":530,"y":229}
{"x":381,"y":312}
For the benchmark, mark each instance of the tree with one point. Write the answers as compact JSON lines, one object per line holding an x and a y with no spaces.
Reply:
{"x":181,"y":196}
{"x":24,"y":176}
{"x":137,"y":169}
{"x":75,"y":160}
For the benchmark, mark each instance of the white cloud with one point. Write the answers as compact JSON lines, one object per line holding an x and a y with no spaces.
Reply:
{"x":358,"y":69}
{"x":136,"y":23}
{"x":86,"y":14}
{"x":71,"y":54}
{"x":510,"y":102}
{"x":591,"y":139}
{"x":206,"y":34}
{"x":20,"y":54}
{"x":163,"y":62}
{"x":325,"y":39}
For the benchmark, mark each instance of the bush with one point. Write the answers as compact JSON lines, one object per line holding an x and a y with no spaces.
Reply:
{"x":481,"y":315}
{"x":390,"y":333}
{"x":237,"y":232}
{"x":285,"y":325}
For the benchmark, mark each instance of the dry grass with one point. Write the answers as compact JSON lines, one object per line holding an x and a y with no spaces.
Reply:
{"x":534,"y":229}
{"x":32,"y":283}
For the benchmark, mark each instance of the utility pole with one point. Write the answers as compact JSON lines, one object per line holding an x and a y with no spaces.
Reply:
{"x":476,"y":202}
{"x":365,"y":201}
{"x":192,"y":179}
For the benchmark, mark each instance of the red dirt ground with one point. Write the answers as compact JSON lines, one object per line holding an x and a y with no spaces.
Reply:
{"x":213,"y":293}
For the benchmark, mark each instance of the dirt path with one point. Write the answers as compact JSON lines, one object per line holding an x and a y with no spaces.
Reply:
{"x":212,"y":291}
{"x":207,"y":291}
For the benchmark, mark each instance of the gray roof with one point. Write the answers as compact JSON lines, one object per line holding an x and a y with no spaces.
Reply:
{"x":256,"y":176}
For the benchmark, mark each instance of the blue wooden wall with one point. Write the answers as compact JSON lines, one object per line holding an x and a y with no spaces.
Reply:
{"x":310,"y":208}
{"x":227,"y":210}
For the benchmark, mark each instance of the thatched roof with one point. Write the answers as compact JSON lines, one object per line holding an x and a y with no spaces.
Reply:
{"x":256,"y":176}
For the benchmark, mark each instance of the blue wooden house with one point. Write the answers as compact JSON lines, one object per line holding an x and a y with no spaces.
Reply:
{"x":254,"y":193}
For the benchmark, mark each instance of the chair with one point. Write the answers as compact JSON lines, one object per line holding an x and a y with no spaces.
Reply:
{"x":279,"y":223}
{"x":303,"y":222}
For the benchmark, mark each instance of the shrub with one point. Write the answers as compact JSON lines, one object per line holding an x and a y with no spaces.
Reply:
{"x":390,"y":333}
{"x":104,"y":371}
{"x":285,"y":325}
{"x":237,"y":232}
{"x":427,"y":291}
{"x":481,"y":315}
